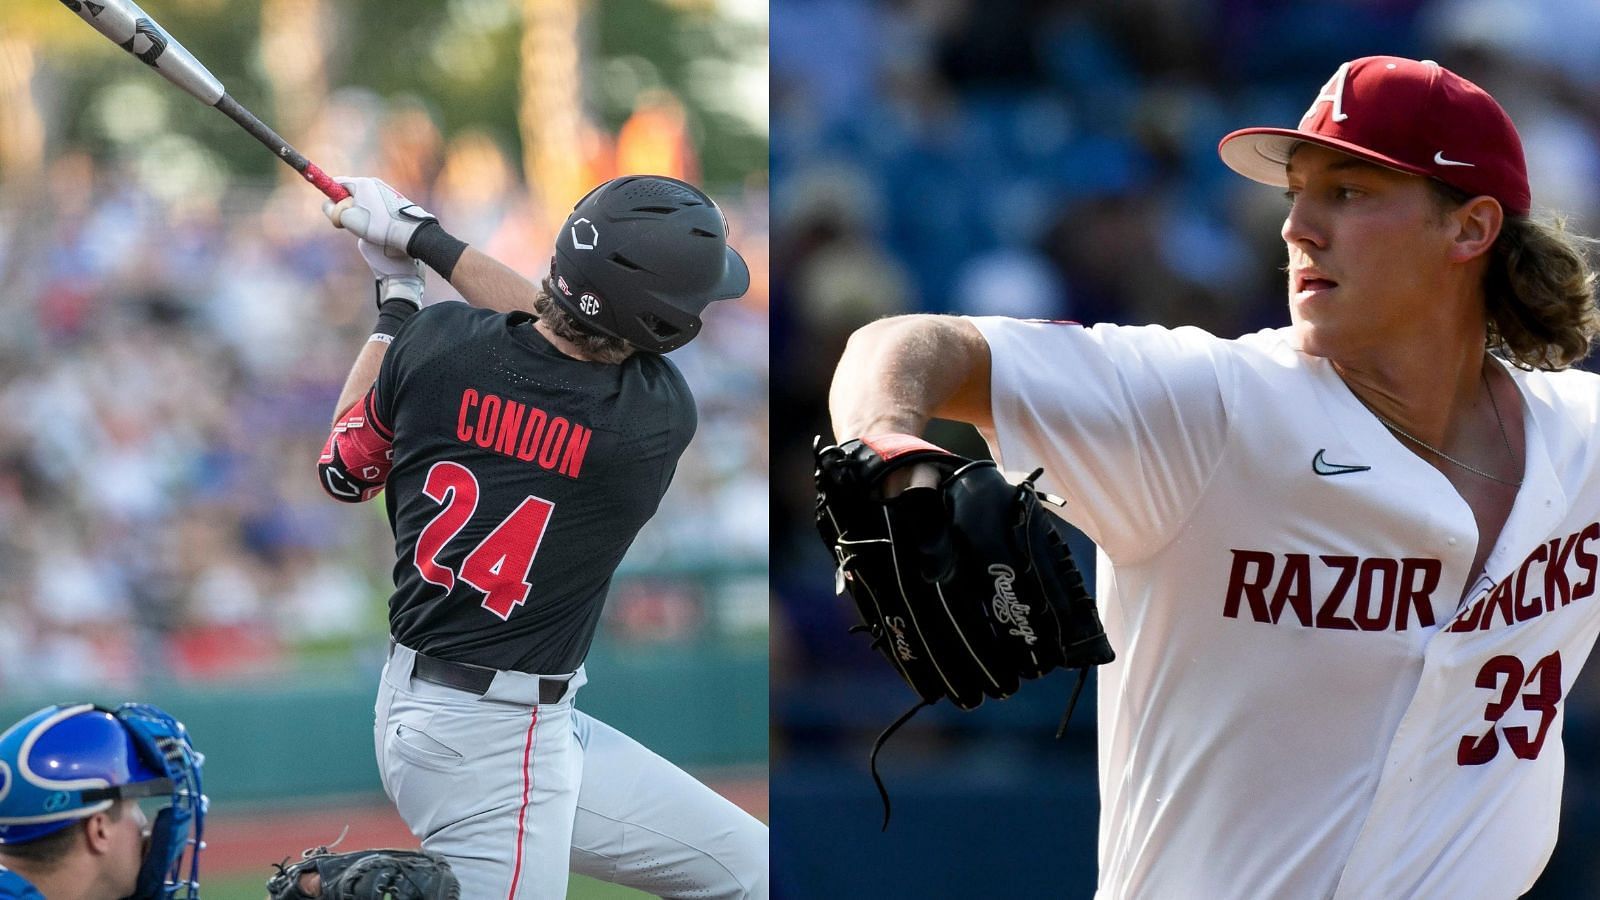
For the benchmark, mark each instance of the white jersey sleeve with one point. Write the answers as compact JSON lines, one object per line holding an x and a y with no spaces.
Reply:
{"x":1128,"y":422}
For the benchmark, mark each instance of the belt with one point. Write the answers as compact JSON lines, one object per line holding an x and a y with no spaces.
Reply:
{"x":476,"y":679}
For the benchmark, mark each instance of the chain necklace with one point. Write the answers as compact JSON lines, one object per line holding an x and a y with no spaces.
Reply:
{"x":1451,"y":459}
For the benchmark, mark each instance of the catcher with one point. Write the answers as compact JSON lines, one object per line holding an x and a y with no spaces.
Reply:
{"x":75,"y":780}
{"x":88,"y":837}
{"x":963,"y":580}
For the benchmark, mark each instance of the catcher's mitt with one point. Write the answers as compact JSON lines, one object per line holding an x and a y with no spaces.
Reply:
{"x":966,"y":588}
{"x":367,"y":875}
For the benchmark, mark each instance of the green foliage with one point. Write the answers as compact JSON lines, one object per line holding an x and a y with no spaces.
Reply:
{"x":683,"y":48}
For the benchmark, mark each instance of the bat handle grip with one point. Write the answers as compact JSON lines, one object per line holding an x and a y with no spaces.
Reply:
{"x":332,"y":189}
{"x":261,"y":132}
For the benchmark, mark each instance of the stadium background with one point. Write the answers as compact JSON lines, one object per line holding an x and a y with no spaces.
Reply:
{"x":1057,"y":159}
{"x":177,"y":320}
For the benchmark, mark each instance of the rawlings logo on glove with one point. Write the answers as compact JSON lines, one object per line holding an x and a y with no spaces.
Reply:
{"x":967,"y":588}
{"x":1006,"y":606}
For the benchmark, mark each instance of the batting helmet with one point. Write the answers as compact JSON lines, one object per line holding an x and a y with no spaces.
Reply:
{"x":639,"y":259}
{"x":67,"y":762}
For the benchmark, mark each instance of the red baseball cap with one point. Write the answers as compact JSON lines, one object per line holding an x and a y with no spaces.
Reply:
{"x":1417,"y":117}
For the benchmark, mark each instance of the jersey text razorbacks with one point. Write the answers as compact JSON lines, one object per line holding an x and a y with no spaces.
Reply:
{"x":1340,"y":592}
{"x":1518,"y":597}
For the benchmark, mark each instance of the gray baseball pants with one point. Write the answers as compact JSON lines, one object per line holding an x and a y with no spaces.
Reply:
{"x":514,"y":793}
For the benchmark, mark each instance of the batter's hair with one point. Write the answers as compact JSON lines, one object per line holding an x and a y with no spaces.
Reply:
{"x":1539,"y":289}
{"x":599,"y":347}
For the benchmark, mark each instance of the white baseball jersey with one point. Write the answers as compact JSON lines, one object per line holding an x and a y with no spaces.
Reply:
{"x":1309,"y":698}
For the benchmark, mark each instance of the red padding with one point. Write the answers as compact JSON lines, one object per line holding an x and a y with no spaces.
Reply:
{"x":364,"y":453}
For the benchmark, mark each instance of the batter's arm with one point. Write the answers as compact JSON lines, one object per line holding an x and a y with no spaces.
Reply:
{"x":382,"y":216}
{"x":485,"y":282}
{"x":361,"y":378}
{"x":898,"y":373}
{"x":355,"y":461}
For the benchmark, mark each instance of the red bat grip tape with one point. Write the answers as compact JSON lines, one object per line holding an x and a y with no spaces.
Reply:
{"x":333,"y":189}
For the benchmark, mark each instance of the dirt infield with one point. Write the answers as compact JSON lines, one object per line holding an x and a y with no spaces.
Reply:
{"x":241,"y":841}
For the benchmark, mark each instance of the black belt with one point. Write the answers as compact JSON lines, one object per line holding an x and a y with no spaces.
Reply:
{"x":476,"y":679}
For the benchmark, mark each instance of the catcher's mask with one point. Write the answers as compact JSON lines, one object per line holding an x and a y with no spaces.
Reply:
{"x":641,"y":257}
{"x":67,"y":762}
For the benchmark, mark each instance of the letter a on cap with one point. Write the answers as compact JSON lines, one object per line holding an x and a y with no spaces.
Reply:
{"x":1333,"y":92}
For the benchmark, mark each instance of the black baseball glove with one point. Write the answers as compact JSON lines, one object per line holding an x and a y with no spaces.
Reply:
{"x":367,"y":875}
{"x":966,"y":588}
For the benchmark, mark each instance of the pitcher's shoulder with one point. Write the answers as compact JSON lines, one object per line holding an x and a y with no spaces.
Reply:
{"x":1571,"y":393}
{"x":1269,"y":344}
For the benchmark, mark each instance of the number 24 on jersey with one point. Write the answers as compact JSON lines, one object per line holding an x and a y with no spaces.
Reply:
{"x":499,"y":565}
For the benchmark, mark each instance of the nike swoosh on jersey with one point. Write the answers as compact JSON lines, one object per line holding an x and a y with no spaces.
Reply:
{"x":1323,"y":467}
{"x":1439,"y":160}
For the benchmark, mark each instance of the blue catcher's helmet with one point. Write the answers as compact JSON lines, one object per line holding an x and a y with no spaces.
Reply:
{"x":67,"y":762}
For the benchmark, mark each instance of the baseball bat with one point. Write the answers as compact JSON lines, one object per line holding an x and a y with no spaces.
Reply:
{"x":129,"y":27}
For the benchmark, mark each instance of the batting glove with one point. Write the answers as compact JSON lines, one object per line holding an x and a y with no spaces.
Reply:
{"x":397,"y":279}
{"x":378,"y":214}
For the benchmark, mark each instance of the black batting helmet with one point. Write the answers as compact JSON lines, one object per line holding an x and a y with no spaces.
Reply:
{"x":640,"y":257}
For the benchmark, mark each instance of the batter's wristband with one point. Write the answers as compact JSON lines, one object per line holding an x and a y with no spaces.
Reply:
{"x":438,"y":248}
{"x":392,"y":314}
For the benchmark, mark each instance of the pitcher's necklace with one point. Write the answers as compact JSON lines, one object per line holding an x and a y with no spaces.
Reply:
{"x":1451,"y":459}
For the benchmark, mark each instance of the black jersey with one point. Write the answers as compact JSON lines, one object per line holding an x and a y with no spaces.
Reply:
{"x":519,"y":478}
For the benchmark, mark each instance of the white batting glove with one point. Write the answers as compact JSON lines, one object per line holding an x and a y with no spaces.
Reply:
{"x":377,"y":213}
{"x":397,"y":279}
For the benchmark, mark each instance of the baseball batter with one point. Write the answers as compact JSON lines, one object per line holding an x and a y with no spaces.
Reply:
{"x":524,"y":440}
{"x":1348,"y":566}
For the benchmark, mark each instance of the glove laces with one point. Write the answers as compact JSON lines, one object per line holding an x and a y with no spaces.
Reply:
{"x":872,"y":761}
{"x":1083,"y":675}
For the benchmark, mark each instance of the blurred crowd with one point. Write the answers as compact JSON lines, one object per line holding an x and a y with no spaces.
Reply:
{"x":169,"y":360}
{"x":1057,"y":159}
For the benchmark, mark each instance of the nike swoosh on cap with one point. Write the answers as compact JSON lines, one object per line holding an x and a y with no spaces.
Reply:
{"x":1439,"y":160}
{"x":1323,"y":467}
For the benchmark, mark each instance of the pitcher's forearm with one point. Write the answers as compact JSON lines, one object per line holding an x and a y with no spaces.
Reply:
{"x":898,"y":373}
